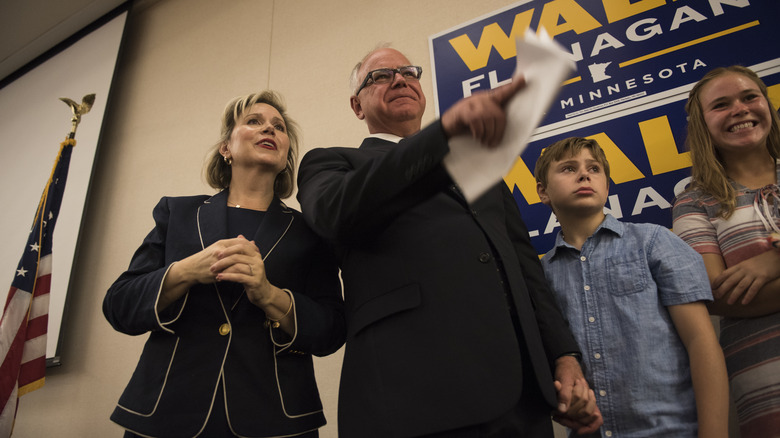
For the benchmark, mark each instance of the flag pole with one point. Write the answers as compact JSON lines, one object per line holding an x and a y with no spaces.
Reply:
{"x":24,"y":321}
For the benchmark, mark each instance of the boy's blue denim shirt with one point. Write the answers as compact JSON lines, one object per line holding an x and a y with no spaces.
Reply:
{"x":614,"y":294}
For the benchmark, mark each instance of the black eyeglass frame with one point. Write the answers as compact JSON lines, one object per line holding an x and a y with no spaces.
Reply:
{"x":393,"y":70}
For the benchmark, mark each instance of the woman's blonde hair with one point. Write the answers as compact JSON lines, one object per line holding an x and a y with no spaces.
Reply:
{"x":219,"y":173}
{"x":708,"y":172}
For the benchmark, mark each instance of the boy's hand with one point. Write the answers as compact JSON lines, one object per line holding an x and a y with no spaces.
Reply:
{"x":583,"y":415}
{"x":577,"y":407}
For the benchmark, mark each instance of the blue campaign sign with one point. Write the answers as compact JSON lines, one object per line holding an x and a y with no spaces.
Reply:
{"x":636,"y":60}
{"x":648,"y":167}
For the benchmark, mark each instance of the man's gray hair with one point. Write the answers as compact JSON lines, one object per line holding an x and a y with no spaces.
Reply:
{"x":354,"y":80}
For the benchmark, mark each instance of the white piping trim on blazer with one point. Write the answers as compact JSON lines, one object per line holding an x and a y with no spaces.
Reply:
{"x":227,"y":415}
{"x":287,"y":345}
{"x":164,"y":325}
{"x":221,"y":377}
{"x":173,"y":355}
{"x":276,"y":365}
{"x":230,"y":333}
{"x":292,"y":302}
{"x":162,"y":388}
{"x":292,"y":218}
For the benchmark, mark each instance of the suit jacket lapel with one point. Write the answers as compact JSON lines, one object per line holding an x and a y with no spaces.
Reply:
{"x":275,"y":224}
{"x":212,"y":223}
{"x":212,"y":219}
{"x":212,"y":226}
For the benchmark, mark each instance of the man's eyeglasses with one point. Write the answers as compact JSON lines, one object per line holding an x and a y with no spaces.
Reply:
{"x":386,"y":75}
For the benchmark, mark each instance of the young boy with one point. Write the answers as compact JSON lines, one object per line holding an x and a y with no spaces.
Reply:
{"x":634,"y":296}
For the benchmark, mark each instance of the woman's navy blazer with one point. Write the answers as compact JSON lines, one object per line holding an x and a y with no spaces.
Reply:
{"x":203,"y":341}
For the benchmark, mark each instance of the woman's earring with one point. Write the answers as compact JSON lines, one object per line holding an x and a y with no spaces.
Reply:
{"x":229,"y":161}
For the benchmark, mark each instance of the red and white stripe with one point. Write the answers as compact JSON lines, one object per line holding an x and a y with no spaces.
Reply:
{"x":23,"y":344}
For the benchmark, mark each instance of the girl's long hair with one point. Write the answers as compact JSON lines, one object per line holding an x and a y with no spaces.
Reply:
{"x":708,"y":171}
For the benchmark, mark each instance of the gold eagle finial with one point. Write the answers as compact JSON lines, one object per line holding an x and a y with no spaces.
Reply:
{"x":78,"y":110}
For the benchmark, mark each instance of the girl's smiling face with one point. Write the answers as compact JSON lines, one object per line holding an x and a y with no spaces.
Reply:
{"x":735,"y":112}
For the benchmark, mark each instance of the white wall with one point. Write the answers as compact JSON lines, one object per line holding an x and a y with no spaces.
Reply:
{"x":33,"y":123}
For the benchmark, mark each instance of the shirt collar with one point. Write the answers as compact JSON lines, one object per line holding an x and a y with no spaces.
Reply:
{"x":388,"y":137}
{"x":609,"y":223}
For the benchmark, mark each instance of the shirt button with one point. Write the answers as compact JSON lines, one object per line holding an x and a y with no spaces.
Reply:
{"x":224,"y":329}
{"x":583,"y":258}
{"x":608,"y":433}
{"x":484,"y":257}
{"x":597,"y":356}
{"x":587,"y":287}
{"x":602,"y":393}
{"x":591,"y":319}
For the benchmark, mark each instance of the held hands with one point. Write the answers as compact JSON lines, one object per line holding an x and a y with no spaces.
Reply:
{"x":482,"y":114}
{"x":577,"y":408}
{"x":747,"y":277}
{"x":581,"y":414}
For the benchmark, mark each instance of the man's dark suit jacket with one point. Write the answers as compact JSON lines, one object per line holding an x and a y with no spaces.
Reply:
{"x":430,"y":342}
{"x":203,"y":340}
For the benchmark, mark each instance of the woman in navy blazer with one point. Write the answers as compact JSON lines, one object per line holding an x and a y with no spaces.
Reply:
{"x":236,"y":292}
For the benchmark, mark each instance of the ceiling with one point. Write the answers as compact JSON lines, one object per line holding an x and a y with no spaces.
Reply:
{"x":28,"y":28}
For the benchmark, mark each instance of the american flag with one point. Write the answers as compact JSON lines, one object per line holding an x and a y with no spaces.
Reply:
{"x":26,"y":314}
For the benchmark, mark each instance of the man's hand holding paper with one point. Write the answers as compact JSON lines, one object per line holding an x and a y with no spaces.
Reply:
{"x":514,"y":111}
{"x":483,"y":115}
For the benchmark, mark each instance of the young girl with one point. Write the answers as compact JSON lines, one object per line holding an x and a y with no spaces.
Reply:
{"x":727,"y":215}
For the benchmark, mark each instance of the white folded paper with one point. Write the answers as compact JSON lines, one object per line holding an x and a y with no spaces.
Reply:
{"x":545,"y":65}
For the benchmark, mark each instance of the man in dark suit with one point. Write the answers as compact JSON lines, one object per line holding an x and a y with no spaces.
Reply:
{"x":452,"y":330}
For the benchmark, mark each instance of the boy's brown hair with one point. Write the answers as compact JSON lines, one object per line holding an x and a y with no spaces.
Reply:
{"x":566,"y":148}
